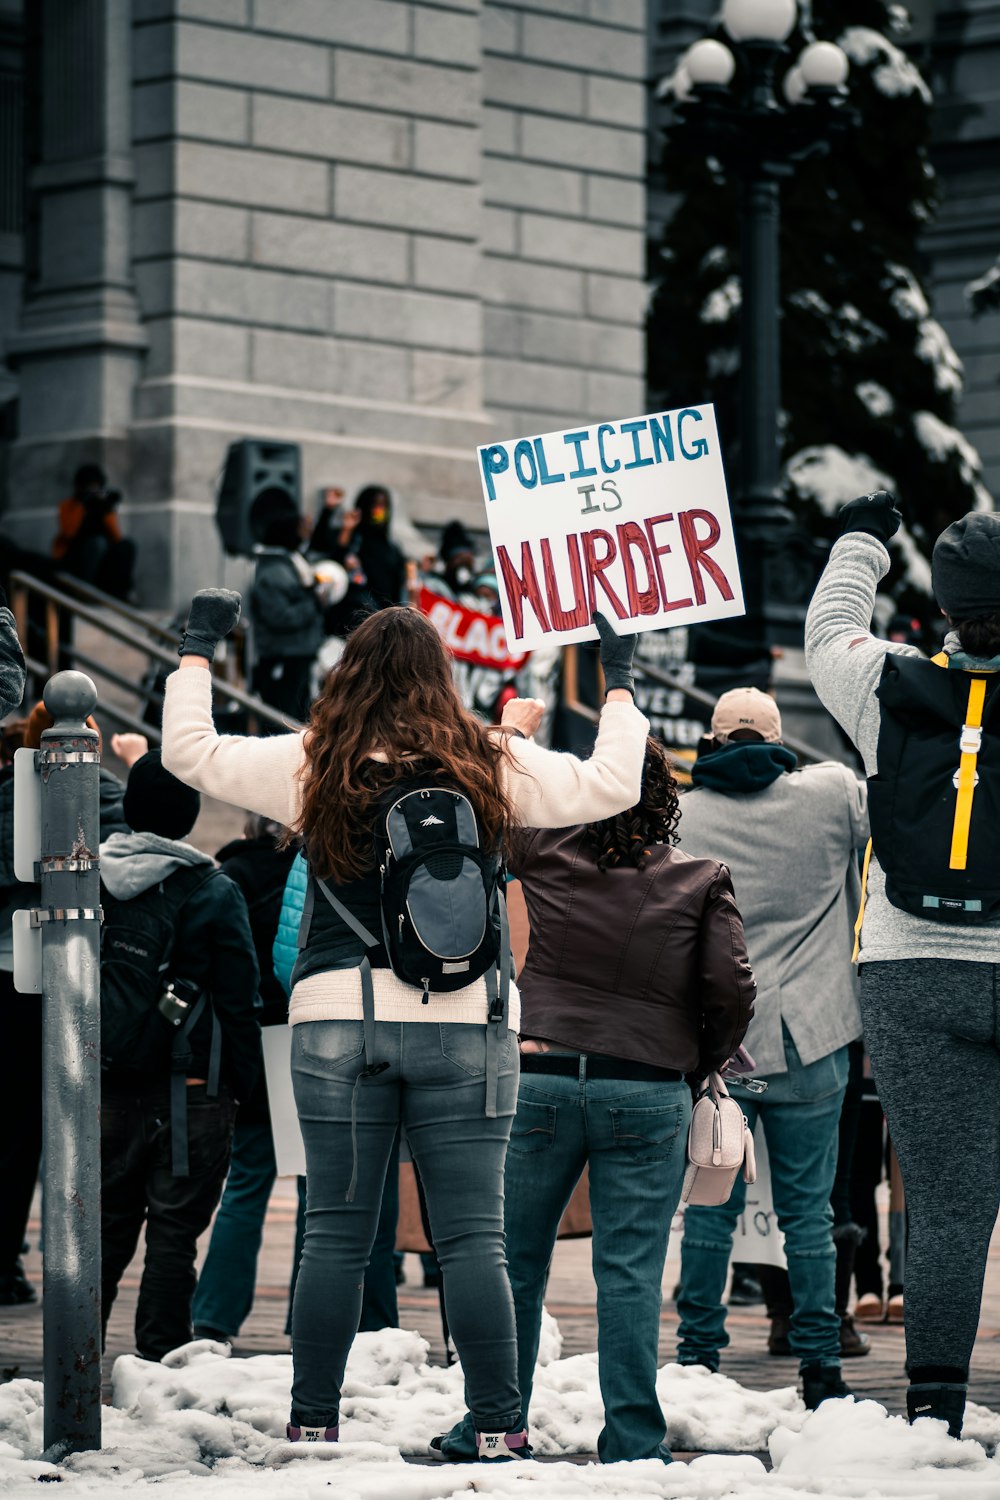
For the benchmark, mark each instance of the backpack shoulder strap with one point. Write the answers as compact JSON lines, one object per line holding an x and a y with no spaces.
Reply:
{"x":970,"y":743}
{"x":185,"y":884}
{"x":357,"y":927}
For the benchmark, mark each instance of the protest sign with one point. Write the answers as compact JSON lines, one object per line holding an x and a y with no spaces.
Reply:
{"x":483,"y":668}
{"x":630,"y":517}
{"x":469,"y":635}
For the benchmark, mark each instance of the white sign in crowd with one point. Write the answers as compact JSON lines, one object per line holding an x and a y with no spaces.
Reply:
{"x":629,"y":517}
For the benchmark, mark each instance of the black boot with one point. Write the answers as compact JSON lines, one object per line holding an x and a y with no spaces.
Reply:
{"x":778,"y":1301}
{"x":822,"y":1383}
{"x":945,"y":1402}
{"x":852,"y":1343}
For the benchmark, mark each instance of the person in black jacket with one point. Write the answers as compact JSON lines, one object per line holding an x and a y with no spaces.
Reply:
{"x":286,"y":610}
{"x":213,"y":947}
{"x":361,"y":534}
{"x":228,"y":1277}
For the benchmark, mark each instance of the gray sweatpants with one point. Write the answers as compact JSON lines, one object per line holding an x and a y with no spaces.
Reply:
{"x":931,"y":1028}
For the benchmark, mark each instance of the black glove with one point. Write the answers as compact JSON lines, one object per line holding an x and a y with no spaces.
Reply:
{"x":212,"y":616}
{"x":877,"y":514}
{"x":617,"y":652}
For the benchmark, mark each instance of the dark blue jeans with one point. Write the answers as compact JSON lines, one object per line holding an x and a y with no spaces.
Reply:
{"x":435,"y":1086}
{"x":138,"y":1188}
{"x":800,"y":1114}
{"x":225,"y":1291}
{"x":633,"y":1135}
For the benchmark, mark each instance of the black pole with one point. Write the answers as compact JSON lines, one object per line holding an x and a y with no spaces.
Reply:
{"x":760,"y":359}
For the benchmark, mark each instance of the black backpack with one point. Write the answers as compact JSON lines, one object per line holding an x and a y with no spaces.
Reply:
{"x":137,"y":944}
{"x":934,"y":802}
{"x":440,"y":892}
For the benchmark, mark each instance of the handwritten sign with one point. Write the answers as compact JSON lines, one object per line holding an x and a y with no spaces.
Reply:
{"x":630,"y":517}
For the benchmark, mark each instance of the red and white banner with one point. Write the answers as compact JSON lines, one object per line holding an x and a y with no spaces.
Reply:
{"x":470,"y":636}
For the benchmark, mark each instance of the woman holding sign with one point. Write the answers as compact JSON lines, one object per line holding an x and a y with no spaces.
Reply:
{"x":405,"y":803}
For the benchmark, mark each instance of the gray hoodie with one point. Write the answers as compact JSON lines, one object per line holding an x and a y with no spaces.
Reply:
{"x":132,"y":862}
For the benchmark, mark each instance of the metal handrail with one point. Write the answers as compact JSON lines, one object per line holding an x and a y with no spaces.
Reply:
{"x":21,"y":583}
{"x":109,"y":710}
{"x":71,"y":585}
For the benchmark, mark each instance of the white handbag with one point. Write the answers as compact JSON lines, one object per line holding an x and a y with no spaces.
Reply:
{"x":720,"y":1143}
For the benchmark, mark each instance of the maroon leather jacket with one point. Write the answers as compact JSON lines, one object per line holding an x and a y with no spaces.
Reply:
{"x":649,"y":965}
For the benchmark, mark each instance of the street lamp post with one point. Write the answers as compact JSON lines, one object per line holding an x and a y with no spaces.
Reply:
{"x":726,"y":103}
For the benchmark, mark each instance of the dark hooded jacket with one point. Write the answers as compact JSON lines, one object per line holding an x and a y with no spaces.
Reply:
{"x":213,"y":946}
{"x":382,"y":562}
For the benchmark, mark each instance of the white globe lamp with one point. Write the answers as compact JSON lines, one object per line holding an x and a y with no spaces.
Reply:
{"x":709,"y":64}
{"x":759,"y":20}
{"x":823,"y":66}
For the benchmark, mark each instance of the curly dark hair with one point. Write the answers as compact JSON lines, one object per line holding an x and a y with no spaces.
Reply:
{"x":980,"y":637}
{"x":627,"y":839}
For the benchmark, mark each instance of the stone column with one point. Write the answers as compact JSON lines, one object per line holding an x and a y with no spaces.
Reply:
{"x":80,"y":339}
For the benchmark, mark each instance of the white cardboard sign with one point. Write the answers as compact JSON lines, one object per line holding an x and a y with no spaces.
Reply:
{"x":289,"y":1150}
{"x":629,"y":517}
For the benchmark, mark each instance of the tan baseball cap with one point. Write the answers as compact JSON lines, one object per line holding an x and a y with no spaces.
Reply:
{"x":746,"y":708}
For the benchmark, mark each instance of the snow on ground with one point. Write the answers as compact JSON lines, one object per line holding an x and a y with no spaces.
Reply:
{"x":202,"y":1415}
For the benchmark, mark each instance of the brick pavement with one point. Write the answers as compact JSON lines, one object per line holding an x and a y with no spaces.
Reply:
{"x":571,"y":1299}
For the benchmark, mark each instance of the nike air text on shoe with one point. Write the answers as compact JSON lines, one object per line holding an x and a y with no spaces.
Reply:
{"x":296,"y":1434}
{"x":502,"y":1447}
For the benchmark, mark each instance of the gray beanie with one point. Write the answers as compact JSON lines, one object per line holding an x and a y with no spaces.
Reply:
{"x":965,"y":566}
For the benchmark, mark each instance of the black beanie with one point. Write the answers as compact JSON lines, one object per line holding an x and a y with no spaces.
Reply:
{"x":454,"y":539}
{"x":965,"y":566}
{"x":156,"y":802}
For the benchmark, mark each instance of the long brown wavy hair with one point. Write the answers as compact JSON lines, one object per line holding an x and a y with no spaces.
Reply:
{"x":628,"y":838}
{"x":391,"y":692}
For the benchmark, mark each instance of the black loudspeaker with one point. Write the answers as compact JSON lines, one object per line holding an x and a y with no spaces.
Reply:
{"x":261,"y":482}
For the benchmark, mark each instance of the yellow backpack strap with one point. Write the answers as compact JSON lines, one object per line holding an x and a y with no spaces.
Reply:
{"x":864,"y":897}
{"x":970,"y":742}
{"x":941,"y":660}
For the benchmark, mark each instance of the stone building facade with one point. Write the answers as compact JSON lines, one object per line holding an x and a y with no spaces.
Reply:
{"x":381,"y":229}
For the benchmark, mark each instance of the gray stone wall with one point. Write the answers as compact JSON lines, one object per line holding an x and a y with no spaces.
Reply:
{"x":387,"y":230}
{"x":308,"y":246}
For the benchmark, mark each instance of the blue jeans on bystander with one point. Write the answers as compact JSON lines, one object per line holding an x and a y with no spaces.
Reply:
{"x":800,"y":1114}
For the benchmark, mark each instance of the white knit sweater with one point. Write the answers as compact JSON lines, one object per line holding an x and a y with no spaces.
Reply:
{"x":547,"y":789}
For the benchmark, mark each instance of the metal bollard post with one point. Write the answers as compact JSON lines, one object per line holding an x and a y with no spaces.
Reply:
{"x":70,"y":915}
